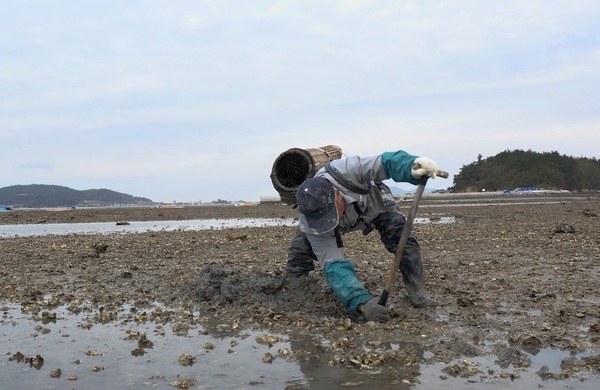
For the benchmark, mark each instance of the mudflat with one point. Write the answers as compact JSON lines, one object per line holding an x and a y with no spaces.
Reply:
{"x":512,"y":276}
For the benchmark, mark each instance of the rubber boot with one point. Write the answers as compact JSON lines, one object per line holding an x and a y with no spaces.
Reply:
{"x":297,"y":267}
{"x":411,"y":268}
{"x":301,"y":259}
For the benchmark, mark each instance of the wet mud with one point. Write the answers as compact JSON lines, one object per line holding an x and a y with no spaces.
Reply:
{"x":512,"y":279}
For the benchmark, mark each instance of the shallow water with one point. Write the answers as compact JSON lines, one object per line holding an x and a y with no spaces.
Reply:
{"x":96,"y":355}
{"x":69,"y":345}
{"x":27,"y":230}
{"x":101,"y":356}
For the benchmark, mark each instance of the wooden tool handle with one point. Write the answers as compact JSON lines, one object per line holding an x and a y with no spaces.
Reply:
{"x":442,"y":174}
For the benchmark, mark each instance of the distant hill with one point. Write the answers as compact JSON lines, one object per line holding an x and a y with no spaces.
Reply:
{"x":43,"y":195}
{"x":519,"y":168}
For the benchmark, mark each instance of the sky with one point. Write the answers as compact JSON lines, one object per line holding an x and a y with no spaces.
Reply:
{"x":193,"y":100}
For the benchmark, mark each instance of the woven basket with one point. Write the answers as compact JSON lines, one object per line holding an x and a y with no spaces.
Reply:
{"x":295,"y":165}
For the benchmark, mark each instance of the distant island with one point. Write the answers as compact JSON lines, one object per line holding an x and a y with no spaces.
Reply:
{"x":513,"y":169}
{"x":55,"y":196}
{"x":45,"y":195}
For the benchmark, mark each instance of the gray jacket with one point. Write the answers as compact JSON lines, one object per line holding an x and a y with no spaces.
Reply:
{"x":360,"y":176}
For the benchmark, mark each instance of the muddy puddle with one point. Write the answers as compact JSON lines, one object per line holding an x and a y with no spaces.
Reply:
{"x":59,"y":349}
{"x":85,"y":346}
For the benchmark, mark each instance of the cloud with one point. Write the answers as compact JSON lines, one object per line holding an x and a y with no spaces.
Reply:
{"x":194,"y":92}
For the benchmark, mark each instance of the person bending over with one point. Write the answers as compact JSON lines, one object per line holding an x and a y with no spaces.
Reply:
{"x":347,"y":195}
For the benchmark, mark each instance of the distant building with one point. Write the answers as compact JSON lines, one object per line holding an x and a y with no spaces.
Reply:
{"x":270,"y":200}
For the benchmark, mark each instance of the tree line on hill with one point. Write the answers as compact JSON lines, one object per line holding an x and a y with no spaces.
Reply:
{"x":44,"y":195}
{"x":519,"y":168}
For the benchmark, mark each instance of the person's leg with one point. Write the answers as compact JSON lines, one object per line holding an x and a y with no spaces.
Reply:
{"x":390,"y":225}
{"x":411,"y":268}
{"x":301,"y":258}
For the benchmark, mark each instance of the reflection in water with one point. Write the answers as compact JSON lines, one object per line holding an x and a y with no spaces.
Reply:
{"x":79,"y":345}
{"x":86,"y":347}
{"x":98,"y":355}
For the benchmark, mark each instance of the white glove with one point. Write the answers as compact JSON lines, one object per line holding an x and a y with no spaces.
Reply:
{"x":423,"y":166}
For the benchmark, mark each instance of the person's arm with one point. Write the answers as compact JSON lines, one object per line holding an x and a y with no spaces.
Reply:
{"x":398,"y":166}
{"x":359,"y":171}
{"x":341,"y":277}
{"x":339,"y":272}
{"x":403,"y":167}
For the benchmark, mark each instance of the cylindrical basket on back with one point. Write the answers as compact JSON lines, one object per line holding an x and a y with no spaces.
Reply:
{"x":295,"y":165}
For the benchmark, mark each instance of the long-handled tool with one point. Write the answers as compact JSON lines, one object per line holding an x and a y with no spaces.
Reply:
{"x":404,"y":237}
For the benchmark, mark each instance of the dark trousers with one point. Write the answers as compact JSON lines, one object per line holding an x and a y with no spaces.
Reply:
{"x":389,"y":224}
